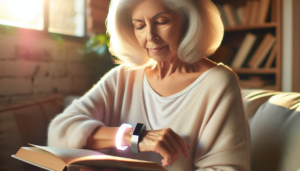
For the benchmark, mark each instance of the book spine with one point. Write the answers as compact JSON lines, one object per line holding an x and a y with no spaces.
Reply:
{"x":254,"y":13}
{"x":260,"y":49}
{"x":264,"y":9}
{"x":264,"y":53}
{"x":247,"y":12}
{"x":223,"y":16}
{"x":271,"y":56}
{"x":240,"y":11}
{"x":229,"y":12}
{"x":273,"y":11}
{"x":243,"y":51}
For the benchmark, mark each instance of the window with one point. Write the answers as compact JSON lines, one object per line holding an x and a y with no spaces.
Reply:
{"x":64,"y":16}
{"x":22,"y":13}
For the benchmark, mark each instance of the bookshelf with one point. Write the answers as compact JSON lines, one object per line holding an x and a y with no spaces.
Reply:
{"x":233,"y":39}
{"x":249,"y":28}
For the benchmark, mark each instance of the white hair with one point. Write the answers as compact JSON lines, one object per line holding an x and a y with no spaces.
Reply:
{"x":203,"y":35}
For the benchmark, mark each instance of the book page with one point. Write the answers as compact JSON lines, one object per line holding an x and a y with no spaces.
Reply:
{"x":69,"y":154}
{"x":94,"y":158}
{"x":32,"y":163}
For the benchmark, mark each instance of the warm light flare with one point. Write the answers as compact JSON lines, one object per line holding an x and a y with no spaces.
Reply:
{"x":22,"y":13}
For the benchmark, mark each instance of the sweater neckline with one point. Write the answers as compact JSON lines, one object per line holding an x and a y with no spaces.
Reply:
{"x":183,"y":107}
{"x":185,"y":90}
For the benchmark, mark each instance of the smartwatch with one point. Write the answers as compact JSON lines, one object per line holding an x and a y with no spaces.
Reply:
{"x":139,"y":128}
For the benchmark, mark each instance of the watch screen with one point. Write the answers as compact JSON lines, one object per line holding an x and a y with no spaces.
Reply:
{"x":137,"y":129}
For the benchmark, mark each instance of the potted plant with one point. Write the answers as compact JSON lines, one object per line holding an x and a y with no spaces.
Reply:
{"x":97,"y":57}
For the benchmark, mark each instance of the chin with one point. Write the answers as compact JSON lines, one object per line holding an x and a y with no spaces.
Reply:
{"x":160,"y":58}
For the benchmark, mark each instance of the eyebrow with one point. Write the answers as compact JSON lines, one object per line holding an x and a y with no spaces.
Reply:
{"x":152,"y":17}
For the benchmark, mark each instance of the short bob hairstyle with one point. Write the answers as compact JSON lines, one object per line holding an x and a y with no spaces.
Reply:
{"x":203,"y":35}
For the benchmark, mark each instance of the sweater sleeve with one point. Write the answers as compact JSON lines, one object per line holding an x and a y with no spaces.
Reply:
{"x":71,"y":128}
{"x":224,"y":138}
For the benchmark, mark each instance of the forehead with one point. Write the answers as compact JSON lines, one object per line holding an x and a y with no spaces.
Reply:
{"x":149,"y":8}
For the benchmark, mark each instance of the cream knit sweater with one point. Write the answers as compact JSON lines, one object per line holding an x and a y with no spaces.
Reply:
{"x":213,"y":120}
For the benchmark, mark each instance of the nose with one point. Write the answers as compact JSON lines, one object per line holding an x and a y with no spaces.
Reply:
{"x":152,"y":36}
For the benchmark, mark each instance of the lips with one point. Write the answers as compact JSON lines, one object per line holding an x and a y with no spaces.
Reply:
{"x":156,"y":50}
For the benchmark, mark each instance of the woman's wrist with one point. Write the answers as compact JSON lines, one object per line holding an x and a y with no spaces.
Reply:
{"x":127,"y":137}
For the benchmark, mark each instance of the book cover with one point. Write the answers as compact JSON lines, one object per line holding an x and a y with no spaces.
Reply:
{"x":262,"y":51}
{"x":243,"y":51}
{"x":61,"y":159}
{"x":271,"y":56}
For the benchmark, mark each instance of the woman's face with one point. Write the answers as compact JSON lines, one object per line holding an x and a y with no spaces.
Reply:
{"x":158,"y":29}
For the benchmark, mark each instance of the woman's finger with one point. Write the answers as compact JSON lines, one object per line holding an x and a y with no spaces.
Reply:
{"x":165,"y":151}
{"x":172,"y":141}
{"x":165,"y":142}
{"x":172,"y":144}
{"x":183,"y":145}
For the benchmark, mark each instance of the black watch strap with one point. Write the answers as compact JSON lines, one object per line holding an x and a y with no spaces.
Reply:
{"x":139,"y":128}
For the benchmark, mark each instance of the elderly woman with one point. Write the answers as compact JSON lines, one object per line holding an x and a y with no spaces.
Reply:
{"x":191,"y":107}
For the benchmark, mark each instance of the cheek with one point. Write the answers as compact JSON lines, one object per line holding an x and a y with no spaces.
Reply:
{"x":141,"y":39}
{"x":173,"y":37}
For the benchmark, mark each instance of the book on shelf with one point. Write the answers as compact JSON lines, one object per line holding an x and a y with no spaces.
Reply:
{"x":222,"y":13}
{"x":243,"y":51}
{"x":240,"y":11}
{"x":230,"y":15}
{"x":69,"y":159}
{"x":247,"y":13}
{"x":262,"y":51}
{"x":273,"y":10}
{"x":254,"y":13}
{"x":254,"y":82}
{"x":264,"y":6}
{"x":271,"y":56}
{"x":259,"y":39}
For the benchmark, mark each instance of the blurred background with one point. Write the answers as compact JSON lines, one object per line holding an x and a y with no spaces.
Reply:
{"x":60,"y":46}
{"x":53,"y":51}
{"x":51,"y":46}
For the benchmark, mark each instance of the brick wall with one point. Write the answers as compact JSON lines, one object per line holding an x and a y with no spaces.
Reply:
{"x":96,"y":13}
{"x":32,"y":67}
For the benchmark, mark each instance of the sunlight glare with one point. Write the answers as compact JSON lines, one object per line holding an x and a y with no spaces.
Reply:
{"x":22,"y":13}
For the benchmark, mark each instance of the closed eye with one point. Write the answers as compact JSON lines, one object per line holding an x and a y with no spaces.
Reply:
{"x":162,"y":23}
{"x":140,"y":28}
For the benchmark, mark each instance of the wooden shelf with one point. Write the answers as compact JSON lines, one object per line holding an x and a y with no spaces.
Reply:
{"x":254,"y":27}
{"x":256,"y":71}
{"x":270,"y":87}
{"x":234,"y":36}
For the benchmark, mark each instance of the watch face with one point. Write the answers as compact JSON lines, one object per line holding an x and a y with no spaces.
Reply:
{"x":138,"y":129}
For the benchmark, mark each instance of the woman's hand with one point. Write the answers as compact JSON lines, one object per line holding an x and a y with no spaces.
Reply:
{"x":165,"y":142}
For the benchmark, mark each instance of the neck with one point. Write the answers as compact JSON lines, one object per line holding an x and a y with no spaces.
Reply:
{"x":167,"y":68}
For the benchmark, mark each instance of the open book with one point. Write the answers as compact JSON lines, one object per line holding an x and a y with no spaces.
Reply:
{"x":59,"y":159}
